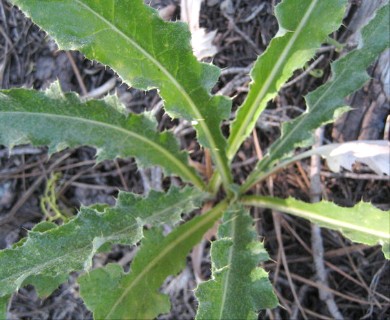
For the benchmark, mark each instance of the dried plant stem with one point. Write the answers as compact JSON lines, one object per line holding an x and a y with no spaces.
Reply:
{"x":316,"y":237}
{"x":77,"y":74}
{"x":277,"y":219}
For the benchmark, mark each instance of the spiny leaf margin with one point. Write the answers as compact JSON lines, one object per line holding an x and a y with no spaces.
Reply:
{"x":362,"y":223}
{"x":238,"y":288}
{"x":147,"y":53}
{"x":70,"y":247}
{"x":303,"y":26}
{"x":112,"y":294}
{"x":62,"y":120}
{"x":326,"y":103}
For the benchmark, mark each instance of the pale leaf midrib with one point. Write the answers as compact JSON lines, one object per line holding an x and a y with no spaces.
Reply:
{"x":259,"y":174}
{"x":311,"y":108}
{"x":303,"y":118}
{"x":154,"y":145}
{"x":164,"y":252}
{"x":229,"y":268}
{"x":308,"y":215}
{"x":249,"y":115}
{"x":42,"y":266}
{"x":199,"y":117}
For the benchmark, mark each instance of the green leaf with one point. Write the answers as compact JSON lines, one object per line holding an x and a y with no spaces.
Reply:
{"x":112,"y":294}
{"x":327,"y":102}
{"x":45,"y":285}
{"x":303,"y":26}
{"x":40,"y":227}
{"x":3,"y":307}
{"x":63,"y":120}
{"x":146,"y":52}
{"x":362,"y":223}
{"x":238,"y":288}
{"x":70,"y":247}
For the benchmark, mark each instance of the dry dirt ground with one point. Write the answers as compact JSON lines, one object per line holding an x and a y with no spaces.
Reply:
{"x":358,"y":276}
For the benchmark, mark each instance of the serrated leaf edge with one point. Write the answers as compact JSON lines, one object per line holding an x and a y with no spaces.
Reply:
{"x":221,"y":164}
{"x":268,"y":202}
{"x":88,"y":262}
{"x":211,"y":215}
{"x":237,"y":138}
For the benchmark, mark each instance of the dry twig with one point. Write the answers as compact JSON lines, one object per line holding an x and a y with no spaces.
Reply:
{"x":317,"y":243}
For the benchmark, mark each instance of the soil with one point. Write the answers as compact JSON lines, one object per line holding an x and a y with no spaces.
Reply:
{"x":358,"y":275}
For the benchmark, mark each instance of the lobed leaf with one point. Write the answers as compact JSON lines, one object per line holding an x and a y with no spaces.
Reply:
{"x":112,"y":294}
{"x":63,"y":120}
{"x":327,"y":102}
{"x":362,"y":223}
{"x":51,"y":254}
{"x":238,"y":288}
{"x":303,"y":26}
{"x":146,"y":52}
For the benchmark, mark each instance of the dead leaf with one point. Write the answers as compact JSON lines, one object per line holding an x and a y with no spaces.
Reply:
{"x":373,"y":153}
{"x":201,"y":41}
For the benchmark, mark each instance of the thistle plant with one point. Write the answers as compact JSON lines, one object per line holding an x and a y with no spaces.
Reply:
{"x":146,"y":53}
